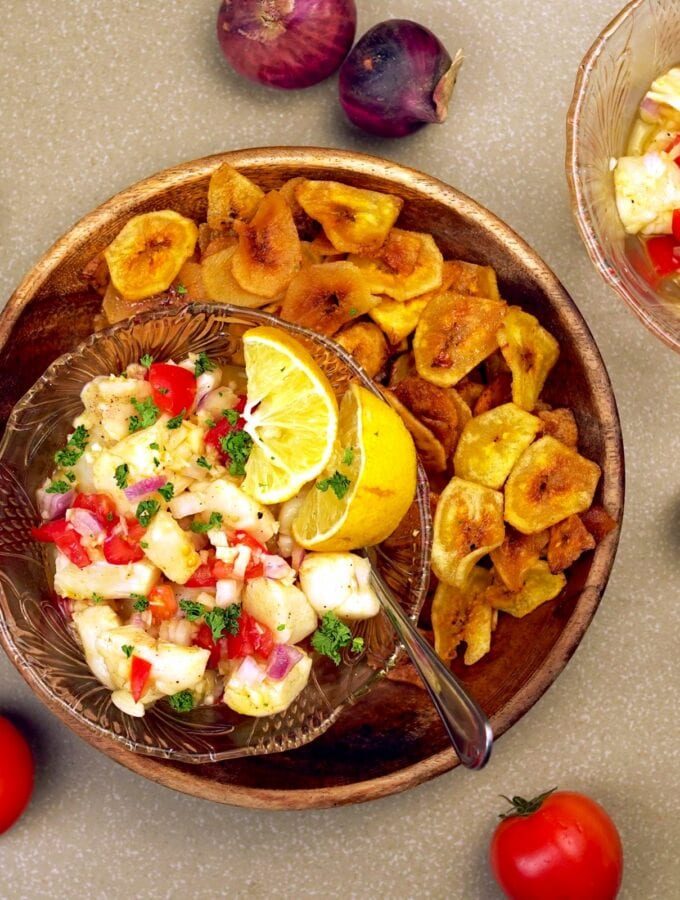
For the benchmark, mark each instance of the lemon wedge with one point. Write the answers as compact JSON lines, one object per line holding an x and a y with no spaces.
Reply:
{"x":369,"y":483}
{"x":291,"y":415}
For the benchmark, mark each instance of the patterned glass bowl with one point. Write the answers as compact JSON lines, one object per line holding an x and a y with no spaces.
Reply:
{"x":640,"y":43}
{"x":40,"y":641}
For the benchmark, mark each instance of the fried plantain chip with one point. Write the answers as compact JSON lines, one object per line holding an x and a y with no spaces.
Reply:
{"x":402,"y":365}
{"x":407,"y":265}
{"x":560,"y":424}
{"x":354,"y":220}
{"x":268,"y":252}
{"x":327,"y":296}
{"x":491,"y":444}
{"x":307,"y":228}
{"x":220,"y":241}
{"x":467,"y":525}
{"x":497,"y":392}
{"x":516,"y":555}
{"x":148,"y":253}
{"x":189,"y":282}
{"x":231,"y":196}
{"x":429,"y":448}
{"x":461,"y":614}
{"x":539,"y":586}
{"x":433,"y":406}
{"x":221,"y":286}
{"x":598,"y":522}
{"x":323,"y":247}
{"x":467,"y":278}
{"x":530,"y":351}
{"x":549,"y":483}
{"x":454,"y":334}
{"x":568,"y":540}
{"x":367,"y":344}
{"x":397,"y":319}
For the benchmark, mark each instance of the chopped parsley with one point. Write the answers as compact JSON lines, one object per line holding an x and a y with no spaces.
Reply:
{"x":147,"y":413}
{"x":146,"y":361}
{"x":97,"y":598}
{"x":146,"y":510}
{"x":183,"y":701}
{"x":348,"y":456}
{"x":213,"y":522}
{"x":177,"y":420}
{"x":181,"y":289}
{"x":128,"y":650}
{"x":203,"y":364}
{"x":167,"y":492}
{"x":58,"y":487}
{"x":281,"y":627}
{"x":163,"y":391}
{"x":70,"y":477}
{"x":156,"y":461}
{"x":143,"y":545}
{"x":333,"y":636}
{"x":237,"y":445}
{"x":154,"y":446}
{"x":202,"y":461}
{"x":75,"y":447}
{"x":338,"y":483}
{"x":221,"y":620}
{"x":121,"y":475}
{"x":210,"y":423}
{"x":192,"y":610}
{"x":231,"y":415}
{"x":141,"y":602}
{"x":353,"y":311}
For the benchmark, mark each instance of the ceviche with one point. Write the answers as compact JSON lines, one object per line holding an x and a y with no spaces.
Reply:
{"x":200,"y":519}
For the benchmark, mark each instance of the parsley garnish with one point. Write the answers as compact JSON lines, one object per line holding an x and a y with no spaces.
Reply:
{"x":121,"y":475}
{"x":210,"y":423}
{"x":353,"y":311}
{"x":181,"y":290}
{"x":348,"y":456}
{"x":143,"y":545}
{"x":203,"y":364}
{"x":338,"y":482}
{"x":281,"y":627}
{"x":141,"y":602}
{"x":183,"y":701}
{"x":154,"y":446}
{"x":58,"y":487}
{"x":75,"y":447}
{"x":70,"y":477}
{"x":237,"y":445}
{"x":146,"y":361}
{"x":163,"y":391}
{"x":148,"y":412}
{"x":97,"y":598}
{"x":192,"y":610}
{"x":146,"y":510}
{"x":167,"y":492}
{"x":231,"y":415}
{"x":333,"y":636}
{"x":202,"y":461}
{"x":128,"y":650}
{"x":177,"y":420}
{"x":221,"y":620}
{"x":203,"y":527}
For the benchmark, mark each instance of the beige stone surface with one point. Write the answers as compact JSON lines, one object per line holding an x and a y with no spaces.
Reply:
{"x":94,"y":96}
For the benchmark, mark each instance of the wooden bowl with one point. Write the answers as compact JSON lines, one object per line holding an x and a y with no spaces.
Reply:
{"x":392,"y":738}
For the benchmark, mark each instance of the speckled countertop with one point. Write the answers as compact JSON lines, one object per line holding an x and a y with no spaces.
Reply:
{"x":95,"y":96}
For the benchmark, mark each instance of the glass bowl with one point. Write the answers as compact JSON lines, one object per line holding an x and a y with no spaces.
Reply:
{"x":39,"y":639}
{"x":642,"y":42}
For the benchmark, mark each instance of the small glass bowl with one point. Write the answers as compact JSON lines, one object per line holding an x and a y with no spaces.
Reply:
{"x":42,"y":644}
{"x":642,"y":42}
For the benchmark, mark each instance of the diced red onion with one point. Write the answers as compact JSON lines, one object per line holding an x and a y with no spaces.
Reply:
{"x":228,"y":590}
{"x":53,"y":506}
{"x":249,"y":673}
{"x":143,"y":487}
{"x":243,"y":555}
{"x":137,"y":620}
{"x":213,"y":402}
{"x":275,"y":566}
{"x":299,"y":554}
{"x":281,"y":660}
{"x":85,"y":523}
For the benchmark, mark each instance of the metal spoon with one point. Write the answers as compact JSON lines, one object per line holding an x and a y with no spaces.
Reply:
{"x":465,"y":723}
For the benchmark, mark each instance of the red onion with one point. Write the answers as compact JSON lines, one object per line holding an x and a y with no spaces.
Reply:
{"x":53,"y":506}
{"x":275,"y":566}
{"x":281,"y":660}
{"x":85,"y":523}
{"x":143,"y":487}
{"x":286,"y":43}
{"x":205,"y":384}
{"x":249,"y":673}
{"x":397,"y":78}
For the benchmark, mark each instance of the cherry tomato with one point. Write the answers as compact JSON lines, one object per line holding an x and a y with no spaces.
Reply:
{"x":66,"y":538}
{"x":253,"y":639}
{"x":162,"y":602}
{"x":140,"y":669}
{"x":562,"y":845}
{"x":173,"y":388}
{"x":101,"y":506}
{"x":16,"y":774}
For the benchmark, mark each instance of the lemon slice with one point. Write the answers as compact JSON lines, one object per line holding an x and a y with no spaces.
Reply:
{"x":369,"y":483}
{"x":291,"y":415}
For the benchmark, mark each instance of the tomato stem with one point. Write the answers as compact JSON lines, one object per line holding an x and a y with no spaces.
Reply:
{"x":522,"y":807}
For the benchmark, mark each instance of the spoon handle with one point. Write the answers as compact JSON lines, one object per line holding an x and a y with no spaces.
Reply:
{"x":467,"y":726}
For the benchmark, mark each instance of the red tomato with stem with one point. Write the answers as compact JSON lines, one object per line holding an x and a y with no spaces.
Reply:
{"x":173,"y":388}
{"x":16,"y":774}
{"x":562,"y":846}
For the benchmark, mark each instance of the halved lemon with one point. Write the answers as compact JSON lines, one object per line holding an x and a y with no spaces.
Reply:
{"x":291,"y":415}
{"x":369,"y":483}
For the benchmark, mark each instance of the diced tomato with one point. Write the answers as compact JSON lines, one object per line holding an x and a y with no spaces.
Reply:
{"x":162,"y":602}
{"x":254,"y":570}
{"x":661,"y":250}
{"x":102,"y":507}
{"x":673,"y":144}
{"x":173,"y":388}
{"x":119,"y":550}
{"x":204,"y":639}
{"x":221,"y":570}
{"x":202,"y":577}
{"x":240,"y":404}
{"x":676,"y":224}
{"x":66,"y":538}
{"x":140,"y":669}
{"x":135,"y":531}
{"x":253,"y":639}
{"x":242,"y":537}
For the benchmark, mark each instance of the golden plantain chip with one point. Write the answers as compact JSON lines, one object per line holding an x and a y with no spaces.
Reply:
{"x":461,"y":614}
{"x":433,"y":406}
{"x":598,"y":522}
{"x":397,"y":319}
{"x":560,"y":424}
{"x":467,"y":525}
{"x":530,"y":351}
{"x":462,"y":409}
{"x":429,"y":448}
{"x":491,"y":444}
{"x":221,"y":286}
{"x":367,"y":344}
{"x":454,"y":334}
{"x":231,"y":196}
{"x":481,"y":621}
{"x":568,"y":540}
{"x":467,"y":278}
{"x":496,"y":393}
{"x":516,"y":555}
{"x":539,"y":586}
{"x":407,"y":265}
{"x":402,"y":365}
{"x":354,"y":220}
{"x":148,"y":253}
{"x":549,"y":483}
{"x":307,"y":228}
{"x":325,"y":297}
{"x":268,"y":252}
{"x":189,"y":282}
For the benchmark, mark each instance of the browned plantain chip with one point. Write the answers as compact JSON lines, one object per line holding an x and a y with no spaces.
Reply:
{"x":326,"y":297}
{"x":220,"y":284}
{"x":568,"y":540}
{"x":598,"y":522}
{"x":560,"y":424}
{"x":367,"y":344}
{"x":496,"y":393}
{"x":396,"y":318}
{"x":516,"y":555}
{"x":307,"y":228}
{"x":268,"y":252}
{"x":462,"y":614}
{"x":407,"y":265}
{"x":430,"y":449}
{"x":540,"y":585}
{"x":467,"y":278}
{"x":530,"y":351}
{"x":231,"y":196}
{"x":434,"y":407}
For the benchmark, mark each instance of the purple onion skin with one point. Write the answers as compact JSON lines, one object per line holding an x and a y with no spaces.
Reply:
{"x":286,"y":43}
{"x":397,"y":78}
